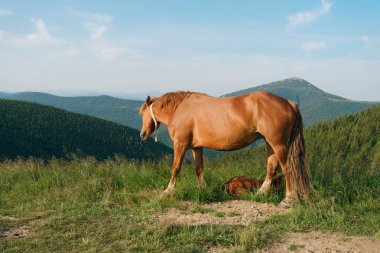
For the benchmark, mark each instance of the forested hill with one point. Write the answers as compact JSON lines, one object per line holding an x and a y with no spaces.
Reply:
{"x":30,"y":129}
{"x":348,"y":143}
{"x":315,"y":104}
{"x":122,"y":111}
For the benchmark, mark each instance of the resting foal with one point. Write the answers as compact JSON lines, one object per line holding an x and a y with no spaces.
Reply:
{"x":239,"y":185}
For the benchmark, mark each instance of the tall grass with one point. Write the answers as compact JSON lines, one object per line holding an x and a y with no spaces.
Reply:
{"x":90,"y":205}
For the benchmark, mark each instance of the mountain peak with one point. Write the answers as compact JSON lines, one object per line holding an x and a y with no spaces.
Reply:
{"x":291,"y":80}
{"x":295,"y":78}
{"x":316,"y":104}
{"x":295,"y":82}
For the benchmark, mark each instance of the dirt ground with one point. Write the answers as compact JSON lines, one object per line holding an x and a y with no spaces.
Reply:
{"x":22,"y":231}
{"x":235,"y":212}
{"x":324,"y":242}
{"x":240,"y":212}
{"x":16,"y":232}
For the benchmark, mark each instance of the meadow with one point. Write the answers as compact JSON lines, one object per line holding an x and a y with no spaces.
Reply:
{"x":87,"y":205}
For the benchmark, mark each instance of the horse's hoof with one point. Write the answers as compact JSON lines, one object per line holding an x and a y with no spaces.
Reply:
{"x":167,"y":192}
{"x":286,"y":204}
{"x":265,"y":187}
{"x":261,"y":192}
{"x":162,"y":195}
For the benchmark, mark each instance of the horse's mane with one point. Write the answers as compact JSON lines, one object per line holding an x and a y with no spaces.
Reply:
{"x":171,"y":99}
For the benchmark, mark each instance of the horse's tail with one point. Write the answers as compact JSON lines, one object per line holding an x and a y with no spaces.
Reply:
{"x":296,"y":159}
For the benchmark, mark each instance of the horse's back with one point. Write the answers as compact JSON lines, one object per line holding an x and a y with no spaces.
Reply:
{"x":230,"y":123}
{"x":219,"y":123}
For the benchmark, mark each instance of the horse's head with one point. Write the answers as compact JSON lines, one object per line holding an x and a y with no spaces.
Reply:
{"x":148,"y":126}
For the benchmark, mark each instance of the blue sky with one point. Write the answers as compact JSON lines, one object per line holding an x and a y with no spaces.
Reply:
{"x":218,"y":46}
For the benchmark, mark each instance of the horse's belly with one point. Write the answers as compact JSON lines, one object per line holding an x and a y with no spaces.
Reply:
{"x":226,"y":142}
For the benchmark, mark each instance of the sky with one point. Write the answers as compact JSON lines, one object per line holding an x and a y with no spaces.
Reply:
{"x":212,"y":46}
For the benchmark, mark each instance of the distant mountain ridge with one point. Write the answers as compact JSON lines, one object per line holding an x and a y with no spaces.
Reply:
{"x":31,"y":129}
{"x":315,"y":104}
{"x":122,"y":111}
{"x":5,"y":94}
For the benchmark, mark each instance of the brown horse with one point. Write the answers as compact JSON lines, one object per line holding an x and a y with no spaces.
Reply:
{"x":240,"y":185}
{"x":196,"y":121}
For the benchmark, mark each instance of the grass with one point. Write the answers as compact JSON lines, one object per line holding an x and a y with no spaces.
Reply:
{"x":88,"y":205}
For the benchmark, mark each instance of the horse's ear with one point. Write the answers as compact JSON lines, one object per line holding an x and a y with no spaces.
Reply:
{"x":148,"y":100}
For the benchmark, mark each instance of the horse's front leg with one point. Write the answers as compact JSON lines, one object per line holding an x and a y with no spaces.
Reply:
{"x":179,"y":152}
{"x":198,"y":160}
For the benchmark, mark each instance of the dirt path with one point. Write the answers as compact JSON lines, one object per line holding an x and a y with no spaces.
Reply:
{"x":235,"y":212}
{"x":240,"y":212}
{"x":324,"y":242}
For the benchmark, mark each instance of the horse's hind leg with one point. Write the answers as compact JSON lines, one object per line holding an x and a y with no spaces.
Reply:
{"x":179,"y":152}
{"x":198,"y":160}
{"x":272,"y":165}
{"x":291,"y":194}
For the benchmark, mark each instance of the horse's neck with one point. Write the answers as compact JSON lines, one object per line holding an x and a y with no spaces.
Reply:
{"x":163,"y":115}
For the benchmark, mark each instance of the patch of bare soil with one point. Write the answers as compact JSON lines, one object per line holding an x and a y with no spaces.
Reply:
{"x":235,"y":212}
{"x":22,"y":231}
{"x":17,"y":232}
{"x":216,"y":249}
{"x":10,"y":218}
{"x":324,"y":242}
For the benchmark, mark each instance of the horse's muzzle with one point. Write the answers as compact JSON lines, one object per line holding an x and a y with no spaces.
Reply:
{"x":143,"y":136}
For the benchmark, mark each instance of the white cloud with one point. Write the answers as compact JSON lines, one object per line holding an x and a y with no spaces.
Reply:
{"x":311,"y":46}
{"x":96,"y":30}
{"x":41,"y":32}
{"x":102,"y":18}
{"x":304,"y":18}
{"x":5,"y":12}
{"x":41,"y":35}
{"x":96,"y":24}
